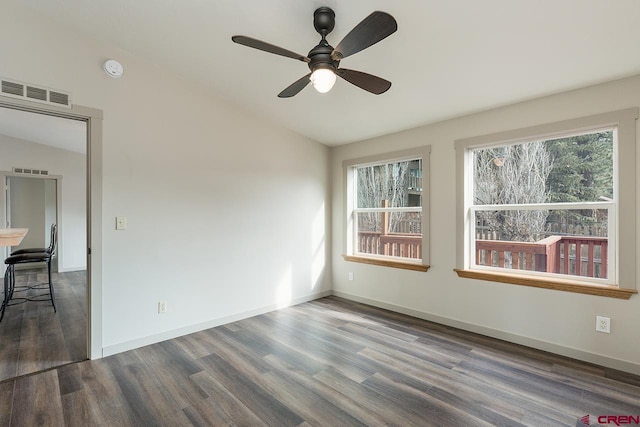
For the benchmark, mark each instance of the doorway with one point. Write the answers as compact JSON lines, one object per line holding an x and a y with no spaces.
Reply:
{"x":34,"y":337}
{"x":32,"y":203}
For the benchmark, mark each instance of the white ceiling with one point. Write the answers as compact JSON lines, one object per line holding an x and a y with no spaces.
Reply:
{"x":447,"y":59}
{"x":66,"y":134}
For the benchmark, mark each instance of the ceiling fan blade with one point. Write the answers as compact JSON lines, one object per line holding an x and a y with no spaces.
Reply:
{"x":368,"y":82}
{"x":295,"y":87}
{"x":372,"y":29}
{"x":267,"y":47}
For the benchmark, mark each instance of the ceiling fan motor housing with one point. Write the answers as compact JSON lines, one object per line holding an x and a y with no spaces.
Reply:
{"x":320,"y":57}
{"x":324,"y":19}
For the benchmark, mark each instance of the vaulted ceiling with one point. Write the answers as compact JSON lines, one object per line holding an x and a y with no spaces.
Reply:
{"x":447,"y":59}
{"x":66,"y":134}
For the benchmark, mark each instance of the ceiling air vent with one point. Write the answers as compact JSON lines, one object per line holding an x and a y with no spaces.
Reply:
{"x":27,"y":171}
{"x":36,"y":93}
{"x":29,"y":92}
{"x":11,"y":88}
{"x":59,"y":98}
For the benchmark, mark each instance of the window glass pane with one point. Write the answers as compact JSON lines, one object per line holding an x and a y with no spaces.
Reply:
{"x":400,"y":184}
{"x":396,"y":234}
{"x":570,"y":241}
{"x":570,"y":169}
{"x":582,"y":168}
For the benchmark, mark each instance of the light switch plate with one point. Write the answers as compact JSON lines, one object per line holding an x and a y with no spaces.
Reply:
{"x":121,"y":223}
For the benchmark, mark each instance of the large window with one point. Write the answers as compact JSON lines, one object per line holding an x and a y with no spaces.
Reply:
{"x":548,"y":205}
{"x":386,"y":217}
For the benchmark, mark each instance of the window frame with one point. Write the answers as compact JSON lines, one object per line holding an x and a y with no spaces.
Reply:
{"x":623,"y":278}
{"x":350,"y":199}
{"x":610,"y":206}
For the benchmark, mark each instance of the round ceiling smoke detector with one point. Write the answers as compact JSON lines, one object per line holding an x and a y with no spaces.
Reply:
{"x":113,"y":68}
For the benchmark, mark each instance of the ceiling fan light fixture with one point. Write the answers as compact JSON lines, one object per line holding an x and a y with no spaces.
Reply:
{"x":323,"y":79}
{"x":324,"y":60}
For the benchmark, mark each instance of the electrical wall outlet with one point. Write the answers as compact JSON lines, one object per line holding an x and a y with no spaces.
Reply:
{"x":603,"y":324}
{"x":162,"y":307}
{"x":350,"y":276}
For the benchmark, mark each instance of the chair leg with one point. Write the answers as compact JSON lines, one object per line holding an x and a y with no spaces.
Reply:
{"x":53,"y":299}
{"x":9,"y":284}
{"x":5,"y":295}
{"x":12,"y":281}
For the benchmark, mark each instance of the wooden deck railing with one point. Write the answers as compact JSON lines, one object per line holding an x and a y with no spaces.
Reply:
{"x":403,"y":244}
{"x":575,"y":255}
{"x":391,"y":244}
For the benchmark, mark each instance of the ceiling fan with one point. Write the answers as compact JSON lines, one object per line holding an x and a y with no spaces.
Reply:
{"x":324,"y":60}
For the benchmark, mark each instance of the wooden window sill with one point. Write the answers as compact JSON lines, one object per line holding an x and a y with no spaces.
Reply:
{"x":387,"y":263}
{"x":549,"y":283}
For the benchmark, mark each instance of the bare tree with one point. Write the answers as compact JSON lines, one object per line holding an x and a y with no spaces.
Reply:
{"x":513,"y":174}
{"x":377,"y":184}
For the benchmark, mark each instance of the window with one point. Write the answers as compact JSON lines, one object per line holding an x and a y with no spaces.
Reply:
{"x":548,"y":205}
{"x":387,"y":201}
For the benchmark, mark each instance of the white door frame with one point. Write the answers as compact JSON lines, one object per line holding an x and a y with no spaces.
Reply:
{"x":93,"y":118}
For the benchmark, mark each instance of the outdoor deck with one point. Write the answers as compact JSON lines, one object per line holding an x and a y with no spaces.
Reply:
{"x":575,"y":255}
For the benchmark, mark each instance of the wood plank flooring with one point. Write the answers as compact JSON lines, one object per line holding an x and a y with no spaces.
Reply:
{"x":330,"y":362}
{"x":32,"y":337}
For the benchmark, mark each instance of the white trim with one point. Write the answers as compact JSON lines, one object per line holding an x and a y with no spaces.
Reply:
{"x":550,"y":130}
{"x":561,"y":350}
{"x":70,"y":269}
{"x":547,"y":136}
{"x":402,"y":209}
{"x":167,"y":335}
{"x":396,"y":156}
{"x":545,"y":206}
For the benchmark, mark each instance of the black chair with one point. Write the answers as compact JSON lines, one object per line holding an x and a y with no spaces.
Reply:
{"x":49,"y":250}
{"x":25,"y":256}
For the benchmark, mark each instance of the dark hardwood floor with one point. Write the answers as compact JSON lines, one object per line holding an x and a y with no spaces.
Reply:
{"x":32,"y":337}
{"x":330,"y":362}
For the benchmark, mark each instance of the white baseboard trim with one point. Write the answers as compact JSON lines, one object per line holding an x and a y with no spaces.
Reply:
{"x":585,"y":356}
{"x":69,"y":269}
{"x":163,"y":336}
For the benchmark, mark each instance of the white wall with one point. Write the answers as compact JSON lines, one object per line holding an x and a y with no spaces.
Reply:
{"x":553,"y":320}
{"x":27,"y":210}
{"x":72,"y":167}
{"x":227,"y":214}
